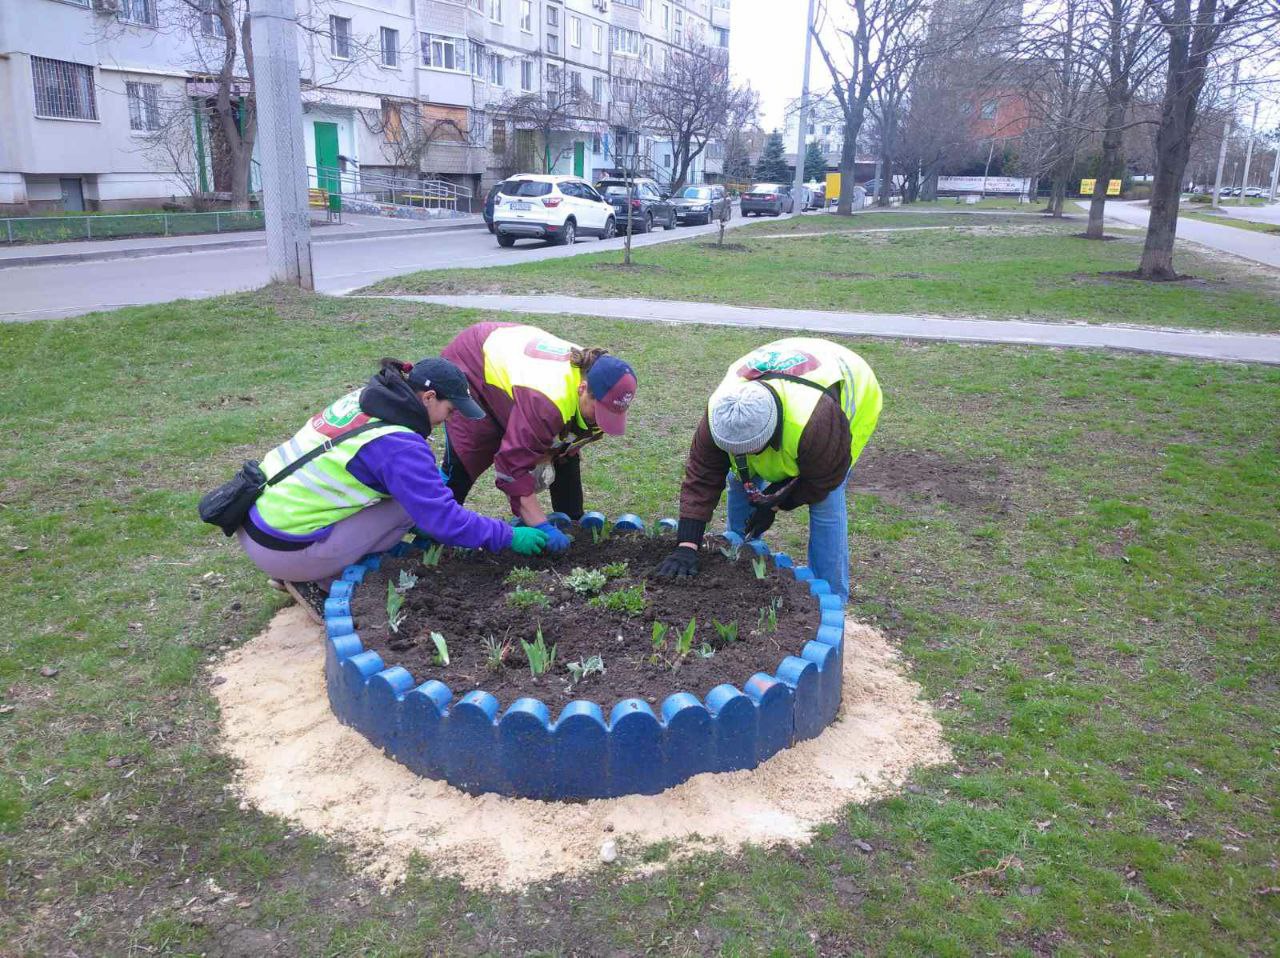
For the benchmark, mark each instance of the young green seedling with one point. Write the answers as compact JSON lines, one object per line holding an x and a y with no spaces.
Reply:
{"x":728,"y":633}
{"x":580,"y":670}
{"x":521,"y":575}
{"x":540,"y":657}
{"x":704,"y":651}
{"x":495,"y":653}
{"x":585,"y":581}
{"x":767,"y":620}
{"x":684,"y":642}
{"x":731,"y":551}
{"x":395,"y":614}
{"x":760,"y":566}
{"x":524,"y":598}
{"x":431,"y":557}
{"x":630,"y":601}
{"x":614,"y":570}
{"x":442,"y":649}
{"x":406,"y":581}
{"x":659,"y":636}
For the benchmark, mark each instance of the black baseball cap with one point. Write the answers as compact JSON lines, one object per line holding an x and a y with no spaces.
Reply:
{"x":448,"y":382}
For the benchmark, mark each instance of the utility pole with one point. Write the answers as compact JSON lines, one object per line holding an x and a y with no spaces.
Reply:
{"x":1248,"y":153}
{"x":1226,"y":136}
{"x":278,"y":91}
{"x":798,"y":185}
{"x":1275,"y":174}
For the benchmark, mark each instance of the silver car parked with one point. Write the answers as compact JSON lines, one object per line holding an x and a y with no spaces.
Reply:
{"x":767,"y":199}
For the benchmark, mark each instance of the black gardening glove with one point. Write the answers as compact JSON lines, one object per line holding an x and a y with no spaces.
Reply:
{"x":681,"y":564}
{"x":761,"y":519}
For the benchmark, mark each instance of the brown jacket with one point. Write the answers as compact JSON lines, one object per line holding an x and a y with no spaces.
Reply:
{"x":823,"y":458}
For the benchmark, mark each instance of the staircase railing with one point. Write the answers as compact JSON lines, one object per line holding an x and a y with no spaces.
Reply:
{"x":388,"y":188}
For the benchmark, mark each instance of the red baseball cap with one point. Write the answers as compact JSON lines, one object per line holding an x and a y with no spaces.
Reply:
{"x":612,"y":384}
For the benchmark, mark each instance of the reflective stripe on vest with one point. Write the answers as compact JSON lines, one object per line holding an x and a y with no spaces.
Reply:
{"x":322,"y":492}
{"x":823,"y":364}
{"x":529,"y":357}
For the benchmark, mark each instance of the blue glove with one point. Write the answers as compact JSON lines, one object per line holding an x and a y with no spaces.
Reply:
{"x":557,"y":541}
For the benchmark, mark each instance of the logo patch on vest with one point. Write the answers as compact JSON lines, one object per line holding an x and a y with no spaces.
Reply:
{"x":340,"y":416}
{"x":791,"y":362}
{"x":553,"y":349}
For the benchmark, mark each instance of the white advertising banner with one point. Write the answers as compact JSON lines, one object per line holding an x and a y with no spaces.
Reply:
{"x":983,"y":184}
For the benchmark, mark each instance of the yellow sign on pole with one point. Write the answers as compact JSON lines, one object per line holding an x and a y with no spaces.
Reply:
{"x":1113,"y":187}
{"x":1086,"y":187}
{"x":833,"y":186}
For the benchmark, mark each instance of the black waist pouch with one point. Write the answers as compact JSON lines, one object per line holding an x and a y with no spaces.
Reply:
{"x":228,"y":506}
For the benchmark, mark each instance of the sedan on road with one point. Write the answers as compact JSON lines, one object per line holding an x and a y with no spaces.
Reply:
{"x":767,"y":199}
{"x":703,"y":204}
{"x":650,"y":206}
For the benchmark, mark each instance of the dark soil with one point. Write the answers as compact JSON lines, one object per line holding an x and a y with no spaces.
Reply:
{"x":1135,"y":275}
{"x":726,"y":247}
{"x":1105,"y":239}
{"x":465,"y":599}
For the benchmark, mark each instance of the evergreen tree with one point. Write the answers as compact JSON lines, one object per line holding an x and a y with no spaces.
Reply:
{"x":815,"y":163}
{"x":772,"y":166}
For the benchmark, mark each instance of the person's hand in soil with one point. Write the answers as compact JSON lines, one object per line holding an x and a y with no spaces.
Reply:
{"x":681,"y":564}
{"x":557,"y":541}
{"x":761,"y":519}
{"x":528,"y":542}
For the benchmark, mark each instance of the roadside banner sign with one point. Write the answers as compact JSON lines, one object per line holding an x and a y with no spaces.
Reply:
{"x":1086,"y":187}
{"x":1113,"y":187}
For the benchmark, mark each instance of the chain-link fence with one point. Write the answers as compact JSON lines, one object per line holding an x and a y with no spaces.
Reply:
{"x":61,"y":229}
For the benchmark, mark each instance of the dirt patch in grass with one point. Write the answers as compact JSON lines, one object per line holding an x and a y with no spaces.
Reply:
{"x":1086,"y":236}
{"x":1133,"y":274}
{"x":904,"y":475}
{"x":726,"y":247}
{"x":473,"y":597}
{"x":838,"y":274}
{"x":633,"y":268}
{"x":297,"y":761}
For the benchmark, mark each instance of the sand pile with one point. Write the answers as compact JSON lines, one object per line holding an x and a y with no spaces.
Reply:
{"x":297,"y":761}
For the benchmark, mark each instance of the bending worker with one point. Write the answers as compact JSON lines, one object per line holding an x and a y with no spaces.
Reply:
{"x":785,"y":426}
{"x":376,"y":480}
{"x":545,"y":398}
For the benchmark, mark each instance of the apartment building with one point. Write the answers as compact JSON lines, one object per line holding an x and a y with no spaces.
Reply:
{"x":91,"y":89}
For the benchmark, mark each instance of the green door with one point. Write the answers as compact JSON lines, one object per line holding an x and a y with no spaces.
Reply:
{"x":327,"y":157}
{"x":579,"y":159}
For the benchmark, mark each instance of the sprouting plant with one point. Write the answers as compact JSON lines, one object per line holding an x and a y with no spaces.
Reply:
{"x":521,"y":575}
{"x":495,"y":653}
{"x":659,"y":636}
{"x":728,"y":633}
{"x":442,"y":649}
{"x":684,"y":642}
{"x":540,"y":657}
{"x":395,"y":600}
{"x":600,"y":533}
{"x":406,"y":581}
{"x":767,"y":620}
{"x":431,"y":557}
{"x":580,"y":670}
{"x":760,"y":566}
{"x":704,"y":651}
{"x":524,"y":598}
{"x":629,"y":601}
{"x":731,"y":550}
{"x":585,"y":581}
{"x":614,"y":570}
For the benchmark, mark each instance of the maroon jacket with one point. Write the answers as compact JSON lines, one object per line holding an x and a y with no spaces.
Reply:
{"x":517,"y":432}
{"x":823,"y":457}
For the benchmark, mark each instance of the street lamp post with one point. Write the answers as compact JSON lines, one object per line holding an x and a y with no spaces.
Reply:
{"x":802,"y":133}
{"x":1248,"y":154}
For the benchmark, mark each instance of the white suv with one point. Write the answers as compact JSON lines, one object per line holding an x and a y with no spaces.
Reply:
{"x":555,"y":208}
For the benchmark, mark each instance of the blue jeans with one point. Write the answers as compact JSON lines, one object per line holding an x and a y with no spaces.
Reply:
{"x":828,"y":533}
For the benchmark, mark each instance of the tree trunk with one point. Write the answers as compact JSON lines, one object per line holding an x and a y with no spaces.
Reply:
{"x":886,"y":174}
{"x":1058,"y":194}
{"x":1111,"y":167}
{"x":848,"y":168}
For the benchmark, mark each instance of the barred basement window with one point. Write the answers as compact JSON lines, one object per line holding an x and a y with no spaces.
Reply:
{"x":144,"y":106}
{"x":138,"y":11}
{"x":499,"y":136}
{"x":63,"y":90}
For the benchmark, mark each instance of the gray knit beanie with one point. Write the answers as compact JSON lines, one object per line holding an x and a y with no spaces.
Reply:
{"x":742,"y":417}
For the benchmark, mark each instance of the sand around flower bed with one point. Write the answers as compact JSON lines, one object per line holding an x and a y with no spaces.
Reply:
{"x":298,"y":762}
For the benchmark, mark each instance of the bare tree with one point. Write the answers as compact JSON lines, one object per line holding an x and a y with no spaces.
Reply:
{"x":409,"y":131}
{"x":629,"y":149}
{"x":559,"y":108}
{"x":1199,"y":40}
{"x":935,"y":132}
{"x":171,"y":145}
{"x":690,"y":101}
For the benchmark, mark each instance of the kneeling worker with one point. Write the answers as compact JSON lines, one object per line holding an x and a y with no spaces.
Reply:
{"x":794,"y":414}
{"x":375,"y":479}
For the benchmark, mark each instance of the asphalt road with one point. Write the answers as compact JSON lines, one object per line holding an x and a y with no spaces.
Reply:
{"x":71,"y":289}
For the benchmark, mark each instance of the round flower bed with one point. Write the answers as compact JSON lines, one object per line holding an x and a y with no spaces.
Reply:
{"x":561,"y":632}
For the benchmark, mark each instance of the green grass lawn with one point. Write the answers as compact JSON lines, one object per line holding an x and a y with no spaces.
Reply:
{"x":1016,"y":267}
{"x":1231,"y":221}
{"x":1087,"y":594}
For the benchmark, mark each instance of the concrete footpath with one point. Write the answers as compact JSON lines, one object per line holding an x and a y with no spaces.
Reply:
{"x":353,"y":227}
{"x":1224,"y":347}
{"x":1258,"y":247}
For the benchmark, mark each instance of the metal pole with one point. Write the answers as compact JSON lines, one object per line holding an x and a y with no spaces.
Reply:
{"x":1248,"y":153}
{"x":987,"y":169}
{"x":802,"y":134}
{"x":1275,"y":178}
{"x":1226,"y":135}
{"x":284,"y":164}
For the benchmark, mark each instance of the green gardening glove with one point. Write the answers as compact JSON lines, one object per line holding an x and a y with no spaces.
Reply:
{"x":527,"y":541}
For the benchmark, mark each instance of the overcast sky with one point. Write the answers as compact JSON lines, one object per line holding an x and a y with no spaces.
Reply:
{"x":766,"y":48}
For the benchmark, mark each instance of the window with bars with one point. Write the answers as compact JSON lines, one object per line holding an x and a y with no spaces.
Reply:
{"x":390,"y":47}
{"x":210,"y":21}
{"x":63,"y":90}
{"x":138,"y":11}
{"x":499,"y":139}
{"x":144,"y":106}
{"x":340,"y":37}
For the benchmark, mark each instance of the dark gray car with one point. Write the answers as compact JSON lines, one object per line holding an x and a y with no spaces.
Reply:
{"x":703,"y":204}
{"x":767,"y":199}
{"x":650,"y":206}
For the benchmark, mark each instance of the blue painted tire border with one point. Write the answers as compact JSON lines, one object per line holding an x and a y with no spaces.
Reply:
{"x":475,"y":746}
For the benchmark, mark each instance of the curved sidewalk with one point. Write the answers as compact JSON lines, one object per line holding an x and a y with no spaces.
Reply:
{"x":1223,"y":347}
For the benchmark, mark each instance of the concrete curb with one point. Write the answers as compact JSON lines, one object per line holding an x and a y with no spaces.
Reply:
{"x":474,"y":745}
{"x":138,"y":252}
